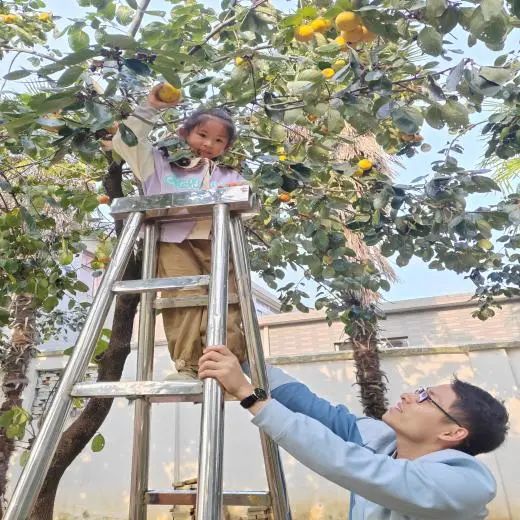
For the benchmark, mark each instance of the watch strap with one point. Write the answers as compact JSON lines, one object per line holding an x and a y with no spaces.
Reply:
{"x":258,"y":395}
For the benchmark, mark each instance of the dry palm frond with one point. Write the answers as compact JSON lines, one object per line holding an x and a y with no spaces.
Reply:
{"x":355,"y":146}
{"x":37,"y":86}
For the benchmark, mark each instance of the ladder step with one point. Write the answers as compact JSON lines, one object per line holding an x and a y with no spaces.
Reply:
{"x":160,"y":284}
{"x":157,"y":391}
{"x":187,"y":301}
{"x":188,"y":497}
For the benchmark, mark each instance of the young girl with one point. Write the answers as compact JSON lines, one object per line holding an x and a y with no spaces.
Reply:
{"x":185,"y":247}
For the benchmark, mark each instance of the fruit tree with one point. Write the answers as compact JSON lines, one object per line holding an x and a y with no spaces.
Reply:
{"x":294,"y":80}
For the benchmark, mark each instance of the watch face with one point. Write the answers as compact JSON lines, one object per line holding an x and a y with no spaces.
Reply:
{"x":261,"y":394}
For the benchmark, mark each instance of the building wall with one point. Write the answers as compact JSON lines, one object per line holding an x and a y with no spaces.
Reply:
{"x":439,"y":321}
{"x":96,"y":486}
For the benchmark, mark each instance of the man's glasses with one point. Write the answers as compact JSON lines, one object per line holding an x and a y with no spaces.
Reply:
{"x":423,"y":395}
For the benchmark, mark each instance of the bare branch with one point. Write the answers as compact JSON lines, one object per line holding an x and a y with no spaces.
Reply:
{"x":8,"y":48}
{"x":138,"y":18}
{"x":223,"y":25}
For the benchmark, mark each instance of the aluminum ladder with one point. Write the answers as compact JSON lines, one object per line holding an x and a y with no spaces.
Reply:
{"x":226,"y":205}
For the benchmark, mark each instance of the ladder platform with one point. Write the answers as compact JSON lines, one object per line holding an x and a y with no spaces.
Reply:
{"x":160,"y":284}
{"x":188,"y":497}
{"x":157,"y":391}
{"x":186,"y":204}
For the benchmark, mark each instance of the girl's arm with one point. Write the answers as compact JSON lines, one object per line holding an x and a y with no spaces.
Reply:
{"x":141,"y":122}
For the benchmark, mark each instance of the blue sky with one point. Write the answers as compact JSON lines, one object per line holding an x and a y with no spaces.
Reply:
{"x":415,"y":280}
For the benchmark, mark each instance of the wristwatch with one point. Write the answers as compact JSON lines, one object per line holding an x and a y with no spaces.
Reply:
{"x":258,"y":395}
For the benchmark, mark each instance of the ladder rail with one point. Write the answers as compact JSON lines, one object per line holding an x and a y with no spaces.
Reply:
{"x":45,"y":445}
{"x":228,"y":234}
{"x":211,"y":445}
{"x":145,"y":350}
{"x":272,"y":460}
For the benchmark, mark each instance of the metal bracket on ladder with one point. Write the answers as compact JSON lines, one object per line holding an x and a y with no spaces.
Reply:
{"x":226,"y":206}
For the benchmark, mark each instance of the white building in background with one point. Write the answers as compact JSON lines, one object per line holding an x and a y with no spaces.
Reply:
{"x":426,"y":341}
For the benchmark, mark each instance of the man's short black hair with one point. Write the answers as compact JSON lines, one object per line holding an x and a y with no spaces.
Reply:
{"x":485,"y":417}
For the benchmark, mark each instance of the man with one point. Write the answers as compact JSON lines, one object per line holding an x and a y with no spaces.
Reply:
{"x":417,"y":463}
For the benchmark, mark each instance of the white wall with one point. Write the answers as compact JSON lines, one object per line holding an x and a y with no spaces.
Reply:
{"x":97,"y":484}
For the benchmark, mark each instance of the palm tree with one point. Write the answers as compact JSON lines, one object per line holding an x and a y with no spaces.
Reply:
{"x":369,"y":376}
{"x":14,"y":364}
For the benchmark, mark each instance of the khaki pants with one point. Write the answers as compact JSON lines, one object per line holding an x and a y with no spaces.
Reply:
{"x":185,"y":327}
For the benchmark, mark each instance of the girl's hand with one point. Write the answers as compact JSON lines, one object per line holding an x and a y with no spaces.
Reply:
{"x":220,"y":363}
{"x":155,"y":102}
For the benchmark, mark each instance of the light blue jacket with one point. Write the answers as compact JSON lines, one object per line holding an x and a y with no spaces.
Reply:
{"x":356,"y":453}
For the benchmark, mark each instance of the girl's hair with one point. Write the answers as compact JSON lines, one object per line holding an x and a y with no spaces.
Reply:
{"x":201,"y":116}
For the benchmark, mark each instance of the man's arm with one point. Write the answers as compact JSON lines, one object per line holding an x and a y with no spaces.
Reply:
{"x":297,"y":397}
{"x":423,"y":488}
{"x":418,"y":488}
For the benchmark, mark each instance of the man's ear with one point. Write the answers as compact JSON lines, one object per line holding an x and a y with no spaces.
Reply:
{"x":182,"y":133}
{"x":454,"y":436}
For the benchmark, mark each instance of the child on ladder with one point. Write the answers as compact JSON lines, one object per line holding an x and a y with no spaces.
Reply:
{"x":185,"y":247}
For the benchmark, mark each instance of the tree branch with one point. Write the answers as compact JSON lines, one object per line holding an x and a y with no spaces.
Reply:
{"x":8,"y":48}
{"x":138,"y":18}
{"x":221,"y":26}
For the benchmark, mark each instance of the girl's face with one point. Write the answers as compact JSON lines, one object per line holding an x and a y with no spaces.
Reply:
{"x":209,"y":139}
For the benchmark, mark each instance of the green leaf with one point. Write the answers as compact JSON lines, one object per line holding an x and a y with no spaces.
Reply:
{"x":99,"y":113}
{"x":485,"y":244}
{"x":309,"y":11}
{"x":18,"y":74}
{"x":109,"y":11}
{"x":435,"y":8}
{"x":448,"y":21}
{"x":455,"y":114}
{"x":168,"y":73}
{"x":491,"y":31}
{"x":50,"y":303}
{"x":78,"y":57}
{"x":455,"y":75}
{"x":80,"y":286}
{"x":484,"y":184}
{"x":384,"y":284}
{"x":408,"y":119}
{"x":132,"y":4}
{"x":124,"y":14}
{"x":98,"y":443}
{"x":66,"y":257}
{"x":78,"y":39}
{"x":430,"y":41}
{"x":515,"y":7}
{"x":118,"y":40}
{"x":127,"y":135}
{"x":491,"y":8}
{"x":138,"y":66}
{"x":329,"y":48}
{"x":70,"y":76}
{"x":498,"y":75}
{"x":55,"y":102}
{"x":24,"y":457}
{"x":402,"y":261}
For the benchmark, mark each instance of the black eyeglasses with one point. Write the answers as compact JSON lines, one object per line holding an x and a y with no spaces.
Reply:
{"x":424,"y":395}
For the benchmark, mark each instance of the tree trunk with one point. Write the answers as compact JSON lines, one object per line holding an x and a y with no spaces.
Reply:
{"x":110,"y":368}
{"x":78,"y":435}
{"x":369,"y":375}
{"x":14,"y":368}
